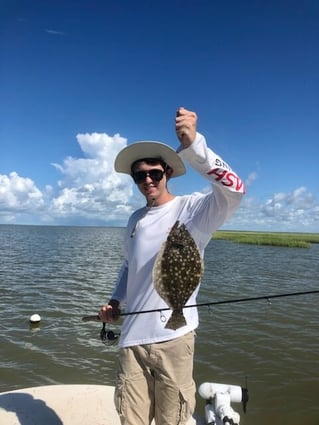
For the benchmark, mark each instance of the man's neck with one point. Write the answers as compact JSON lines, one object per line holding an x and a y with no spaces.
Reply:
{"x":156,"y":202}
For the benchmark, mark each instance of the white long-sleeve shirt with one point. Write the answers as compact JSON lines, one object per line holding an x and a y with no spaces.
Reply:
{"x":202,"y":214}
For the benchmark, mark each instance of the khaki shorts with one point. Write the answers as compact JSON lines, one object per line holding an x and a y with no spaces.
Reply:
{"x":155,"y":381}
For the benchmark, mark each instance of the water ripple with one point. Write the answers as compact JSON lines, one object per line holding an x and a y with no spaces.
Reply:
{"x":63,"y":273}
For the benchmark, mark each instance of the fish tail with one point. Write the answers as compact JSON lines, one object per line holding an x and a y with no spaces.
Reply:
{"x":176,"y":321}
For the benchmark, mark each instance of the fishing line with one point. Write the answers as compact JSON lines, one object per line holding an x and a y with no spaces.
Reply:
{"x":209,"y":304}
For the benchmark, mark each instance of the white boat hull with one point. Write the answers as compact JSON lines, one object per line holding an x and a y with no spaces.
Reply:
{"x":62,"y":405}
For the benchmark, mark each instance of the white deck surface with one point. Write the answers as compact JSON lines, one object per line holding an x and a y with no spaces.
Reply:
{"x":61,"y":405}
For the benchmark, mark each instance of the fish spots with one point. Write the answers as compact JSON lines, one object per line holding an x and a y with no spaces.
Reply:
{"x":177,"y":272}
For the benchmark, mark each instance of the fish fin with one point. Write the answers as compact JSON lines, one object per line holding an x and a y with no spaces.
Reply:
{"x":176,"y":321}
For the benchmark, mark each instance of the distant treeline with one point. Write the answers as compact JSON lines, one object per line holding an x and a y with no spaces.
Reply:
{"x":291,"y":240}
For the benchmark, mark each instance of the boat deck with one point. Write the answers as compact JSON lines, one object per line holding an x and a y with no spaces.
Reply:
{"x":62,"y":405}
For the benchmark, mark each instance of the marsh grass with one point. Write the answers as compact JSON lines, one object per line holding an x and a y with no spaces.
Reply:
{"x":290,"y":240}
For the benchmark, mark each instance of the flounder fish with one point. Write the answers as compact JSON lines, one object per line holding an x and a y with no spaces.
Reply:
{"x":177,"y":271}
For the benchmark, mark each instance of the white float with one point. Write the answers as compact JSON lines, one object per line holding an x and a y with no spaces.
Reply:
{"x":35,"y":319}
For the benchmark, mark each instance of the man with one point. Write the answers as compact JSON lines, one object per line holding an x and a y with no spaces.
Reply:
{"x":155,"y":378}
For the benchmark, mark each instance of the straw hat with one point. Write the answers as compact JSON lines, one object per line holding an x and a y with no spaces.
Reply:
{"x":147,"y":149}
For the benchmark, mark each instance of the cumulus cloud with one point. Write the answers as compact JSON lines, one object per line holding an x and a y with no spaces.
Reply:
{"x":90,"y":192}
{"x":18,"y":195}
{"x":297,"y":210}
{"x":289,"y":204}
{"x":90,"y":187}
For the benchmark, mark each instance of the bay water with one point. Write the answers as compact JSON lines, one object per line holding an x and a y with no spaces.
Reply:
{"x":64,"y":273}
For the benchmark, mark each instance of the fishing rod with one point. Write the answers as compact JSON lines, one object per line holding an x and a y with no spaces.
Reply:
{"x":208,"y":304}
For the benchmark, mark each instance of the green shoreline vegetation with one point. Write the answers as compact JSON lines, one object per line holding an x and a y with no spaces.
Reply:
{"x":289,"y":240}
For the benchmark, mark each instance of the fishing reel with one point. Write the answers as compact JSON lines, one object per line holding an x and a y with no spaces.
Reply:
{"x":108,"y":336}
{"x":218,"y":398}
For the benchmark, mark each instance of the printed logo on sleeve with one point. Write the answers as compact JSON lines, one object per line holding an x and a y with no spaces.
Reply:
{"x":227,"y":178}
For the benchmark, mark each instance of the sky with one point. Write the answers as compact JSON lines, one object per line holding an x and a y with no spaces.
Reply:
{"x":80,"y":80}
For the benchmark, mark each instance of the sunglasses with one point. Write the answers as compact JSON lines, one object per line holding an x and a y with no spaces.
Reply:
{"x":155,"y":174}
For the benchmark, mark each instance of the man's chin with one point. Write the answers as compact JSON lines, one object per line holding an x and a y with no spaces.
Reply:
{"x":150,"y":194}
{"x":151,"y":198}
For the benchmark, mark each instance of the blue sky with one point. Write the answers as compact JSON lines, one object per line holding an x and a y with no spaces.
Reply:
{"x":81,"y":79}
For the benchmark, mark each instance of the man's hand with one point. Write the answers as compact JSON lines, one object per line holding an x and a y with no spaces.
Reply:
{"x":185,"y":126}
{"x":110,"y":312}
